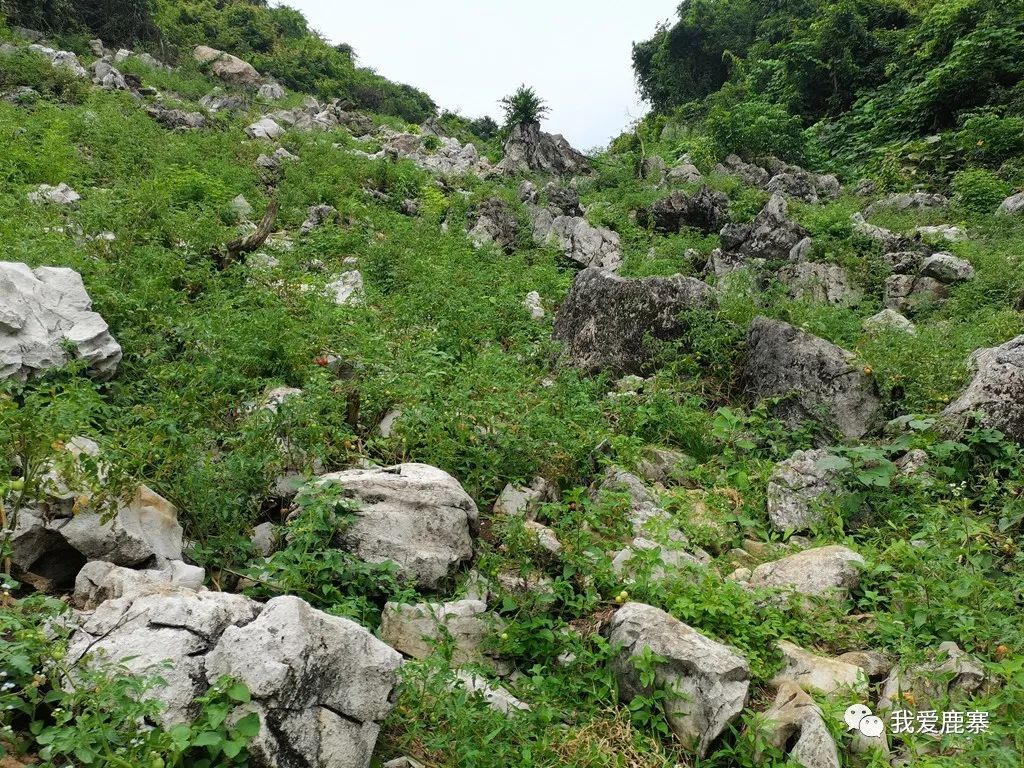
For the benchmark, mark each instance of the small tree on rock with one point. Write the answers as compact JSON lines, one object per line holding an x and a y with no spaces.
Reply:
{"x":524,"y":107}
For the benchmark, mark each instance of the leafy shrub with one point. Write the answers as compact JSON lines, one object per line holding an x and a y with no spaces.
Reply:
{"x":754,"y":128}
{"x":979,"y":190}
{"x":28,"y":68}
{"x":524,"y":107}
{"x":313,"y":567}
{"x":991,"y":140}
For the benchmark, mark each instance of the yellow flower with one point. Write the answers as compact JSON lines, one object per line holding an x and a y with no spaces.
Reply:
{"x":981,"y":142}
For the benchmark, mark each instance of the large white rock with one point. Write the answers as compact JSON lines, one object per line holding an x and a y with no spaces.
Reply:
{"x":40,"y":309}
{"x":265,"y":128}
{"x":321,"y":686}
{"x":819,"y":571}
{"x":495,"y":696}
{"x":99,"y":581}
{"x":347,"y":288}
{"x":414,"y":515}
{"x":1012,"y":206}
{"x":706,"y":682}
{"x":62,"y":194}
{"x":228,"y":68}
{"x":817,"y":673}
{"x":145,"y":528}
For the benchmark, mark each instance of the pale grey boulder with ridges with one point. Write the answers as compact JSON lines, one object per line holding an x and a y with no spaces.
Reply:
{"x":818,"y":380}
{"x":149,"y":627}
{"x":820,"y":282}
{"x":414,"y":515}
{"x":606,"y":320}
{"x":528,"y":148}
{"x":706,"y":682}
{"x":996,"y":391}
{"x":815,"y":673}
{"x":578,"y":239}
{"x":1011,"y":206}
{"x":819,"y":571}
{"x":321,"y":688}
{"x":41,"y":308}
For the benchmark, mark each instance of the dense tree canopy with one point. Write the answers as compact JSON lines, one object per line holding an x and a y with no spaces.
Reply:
{"x":869,"y":71}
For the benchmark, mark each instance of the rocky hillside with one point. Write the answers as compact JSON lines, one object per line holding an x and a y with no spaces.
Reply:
{"x":330,"y":441}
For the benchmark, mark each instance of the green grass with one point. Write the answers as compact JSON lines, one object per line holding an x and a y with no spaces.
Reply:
{"x":443,"y":337}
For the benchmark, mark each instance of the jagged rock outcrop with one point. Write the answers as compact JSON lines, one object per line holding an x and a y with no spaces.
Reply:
{"x":230,"y":69}
{"x":797,"y":488}
{"x":177,"y":119}
{"x":606,"y":321}
{"x":890,"y":241}
{"x":58,"y":534}
{"x":321,"y":688}
{"x":820,"y":571}
{"x":528,"y":148}
{"x":62,"y":194}
{"x":107,"y":76}
{"x":795,"y":726}
{"x":346,"y":289}
{"x":61,"y":59}
{"x":912,"y":201}
{"x":1012,"y":206}
{"x":996,"y":391}
{"x":414,"y":515}
{"x":817,"y":380}
{"x":578,"y":240}
{"x":802,"y":185}
{"x":704,"y":681}
{"x":919,"y":281}
{"x":496,"y":223}
{"x":318,"y":216}
{"x":707,"y":211}
{"x":951,"y":676}
{"x":752,"y":175}
{"x":771,"y":236}
{"x":40,"y":310}
{"x":644,"y":509}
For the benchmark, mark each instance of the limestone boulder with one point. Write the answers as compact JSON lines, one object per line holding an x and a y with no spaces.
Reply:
{"x":706,"y":682}
{"x":612,"y":323}
{"x":817,"y":380}
{"x":996,"y":391}
{"x":414,"y":515}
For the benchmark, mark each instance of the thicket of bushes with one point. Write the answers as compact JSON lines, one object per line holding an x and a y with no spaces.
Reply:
{"x":276,"y":40}
{"x":868,"y":77}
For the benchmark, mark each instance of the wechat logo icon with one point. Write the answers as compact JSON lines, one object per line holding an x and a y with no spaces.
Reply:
{"x":859,"y":718}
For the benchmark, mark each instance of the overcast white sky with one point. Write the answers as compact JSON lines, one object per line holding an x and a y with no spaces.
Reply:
{"x":467,"y":54}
